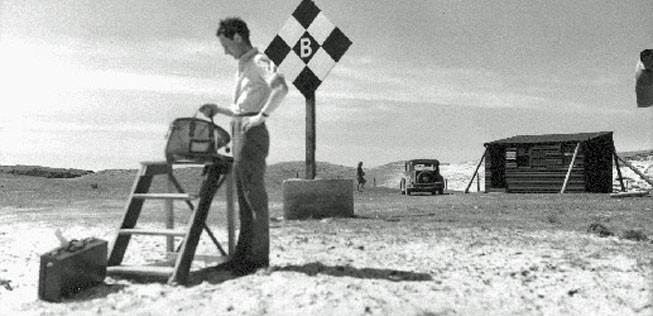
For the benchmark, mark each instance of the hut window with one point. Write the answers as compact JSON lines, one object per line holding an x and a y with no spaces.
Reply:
{"x":538,"y":157}
{"x":523,"y":157}
{"x":511,"y":157}
{"x":568,"y":153}
{"x":518,"y":157}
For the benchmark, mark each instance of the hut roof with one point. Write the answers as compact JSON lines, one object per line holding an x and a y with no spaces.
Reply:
{"x":549,"y":138}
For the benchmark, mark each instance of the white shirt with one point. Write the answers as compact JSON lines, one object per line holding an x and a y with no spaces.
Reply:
{"x":255,"y":73}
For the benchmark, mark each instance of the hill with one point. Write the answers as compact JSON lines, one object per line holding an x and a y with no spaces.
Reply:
{"x":387,"y":175}
{"x":46,"y":172}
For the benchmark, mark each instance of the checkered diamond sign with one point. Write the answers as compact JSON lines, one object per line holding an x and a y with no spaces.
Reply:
{"x":307,"y":47}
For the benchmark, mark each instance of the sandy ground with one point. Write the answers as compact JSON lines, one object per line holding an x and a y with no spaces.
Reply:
{"x":344,"y":266}
{"x":420,"y":255}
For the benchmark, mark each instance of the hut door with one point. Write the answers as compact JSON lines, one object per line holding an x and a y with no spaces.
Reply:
{"x":497,"y":159}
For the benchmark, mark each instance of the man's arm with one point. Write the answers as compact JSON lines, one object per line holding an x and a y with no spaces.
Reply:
{"x":279,"y":91}
{"x":211,"y":110}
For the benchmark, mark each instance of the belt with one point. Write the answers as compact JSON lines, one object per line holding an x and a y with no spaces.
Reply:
{"x":246,"y":114}
{"x":239,"y":117}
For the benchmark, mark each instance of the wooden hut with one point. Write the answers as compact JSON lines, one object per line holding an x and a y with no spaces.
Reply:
{"x":543,"y":163}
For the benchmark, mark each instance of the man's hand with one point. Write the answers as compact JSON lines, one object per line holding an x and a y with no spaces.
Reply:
{"x":209,"y":109}
{"x":252,"y":121}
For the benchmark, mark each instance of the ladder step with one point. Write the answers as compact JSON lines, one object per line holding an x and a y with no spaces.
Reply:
{"x":206,"y":259}
{"x":155,"y":232}
{"x":141,"y":270}
{"x":164,"y":196}
{"x":151,"y":168}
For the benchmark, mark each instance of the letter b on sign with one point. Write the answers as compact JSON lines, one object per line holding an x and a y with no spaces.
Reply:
{"x":305,"y":49}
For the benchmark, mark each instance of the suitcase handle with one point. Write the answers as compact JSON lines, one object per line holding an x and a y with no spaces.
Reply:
{"x":73,"y":245}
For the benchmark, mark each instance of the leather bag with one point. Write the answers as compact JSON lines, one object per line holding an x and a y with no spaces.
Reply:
{"x":191,"y":139}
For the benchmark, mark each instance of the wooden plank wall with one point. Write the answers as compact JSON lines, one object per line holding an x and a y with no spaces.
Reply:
{"x":549,"y":165}
{"x":544,"y":181}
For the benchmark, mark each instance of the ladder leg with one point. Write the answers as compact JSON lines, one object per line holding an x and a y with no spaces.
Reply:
{"x":231,"y":225}
{"x":180,"y":189}
{"x":133,"y":210}
{"x":196,"y":225}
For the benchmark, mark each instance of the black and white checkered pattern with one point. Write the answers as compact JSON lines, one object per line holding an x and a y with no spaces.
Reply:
{"x":316,"y":45}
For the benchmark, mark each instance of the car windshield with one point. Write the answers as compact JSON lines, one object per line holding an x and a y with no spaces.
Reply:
{"x":423,"y":166}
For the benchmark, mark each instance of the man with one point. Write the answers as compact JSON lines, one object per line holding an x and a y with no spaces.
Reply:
{"x":360,"y":176}
{"x":259,"y":91}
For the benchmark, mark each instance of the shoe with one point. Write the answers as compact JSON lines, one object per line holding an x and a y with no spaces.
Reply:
{"x":247,"y":267}
{"x":228,"y":265}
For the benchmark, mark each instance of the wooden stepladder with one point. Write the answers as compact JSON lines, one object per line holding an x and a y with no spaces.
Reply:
{"x":217,"y":173}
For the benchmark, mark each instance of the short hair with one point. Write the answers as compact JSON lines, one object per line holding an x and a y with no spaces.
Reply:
{"x":645,"y":53}
{"x":232,"y":26}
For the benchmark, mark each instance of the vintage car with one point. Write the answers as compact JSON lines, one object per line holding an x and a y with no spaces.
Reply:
{"x":422,"y":175}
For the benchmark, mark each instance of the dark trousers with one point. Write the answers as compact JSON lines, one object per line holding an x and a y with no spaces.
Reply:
{"x":250,"y":150}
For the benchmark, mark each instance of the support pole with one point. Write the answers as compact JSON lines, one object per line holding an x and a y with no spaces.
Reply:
{"x":475,"y":171}
{"x":571,"y":167}
{"x":310,"y":135}
{"x":639,"y":173}
{"x":621,"y":178}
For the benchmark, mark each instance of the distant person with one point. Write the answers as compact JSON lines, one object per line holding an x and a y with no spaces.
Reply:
{"x":644,"y":79}
{"x":259,"y":91}
{"x":360,"y":176}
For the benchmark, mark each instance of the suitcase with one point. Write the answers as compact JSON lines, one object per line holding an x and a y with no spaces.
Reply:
{"x":70,"y":269}
{"x":194,"y":140}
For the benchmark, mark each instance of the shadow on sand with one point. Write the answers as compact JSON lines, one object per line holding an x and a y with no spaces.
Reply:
{"x":213,"y":276}
{"x":217,"y":276}
{"x":316,"y":268}
{"x":101,"y":290}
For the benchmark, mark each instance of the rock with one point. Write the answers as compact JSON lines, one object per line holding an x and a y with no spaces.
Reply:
{"x":635,"y":235}
{"x":600,"y":230}
{"x":6,"y":284}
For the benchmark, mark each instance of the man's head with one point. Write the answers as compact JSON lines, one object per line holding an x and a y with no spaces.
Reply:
{"x":234,"y":37}
{"x":646,"y":56}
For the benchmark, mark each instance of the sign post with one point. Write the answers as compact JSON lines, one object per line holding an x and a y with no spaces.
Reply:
{"x":305,"y":50}
{"x":310,"y":136}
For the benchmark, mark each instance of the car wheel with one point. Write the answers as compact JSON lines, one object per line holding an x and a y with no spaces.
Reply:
{"x":441,"y":191}
{"x":425,"y":177}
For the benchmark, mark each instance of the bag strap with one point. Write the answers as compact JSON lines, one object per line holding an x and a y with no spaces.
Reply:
{"x":210,"y":118}
{"x":191,"y":127}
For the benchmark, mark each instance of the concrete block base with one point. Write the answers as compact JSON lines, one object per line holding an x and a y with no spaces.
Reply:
{"x":318,"y":198}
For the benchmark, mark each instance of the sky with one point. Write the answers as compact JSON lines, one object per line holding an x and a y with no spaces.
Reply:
{"x":94,"y":84}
